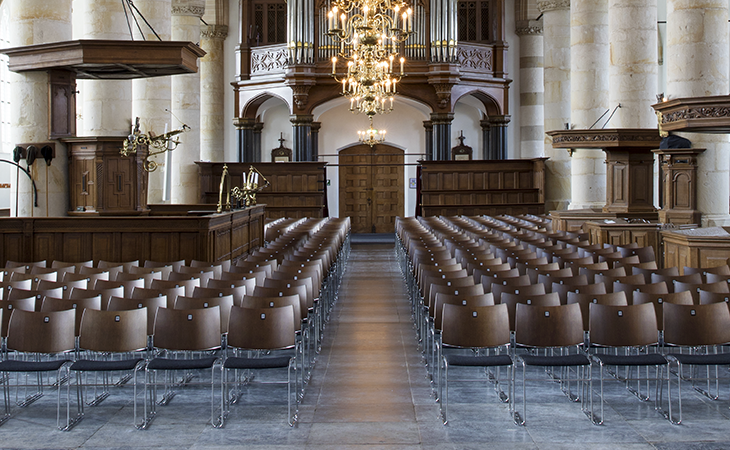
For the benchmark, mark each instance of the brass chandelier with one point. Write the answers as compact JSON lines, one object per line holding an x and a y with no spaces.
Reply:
{"x":371,"y":136}
{"x":373,"y":31}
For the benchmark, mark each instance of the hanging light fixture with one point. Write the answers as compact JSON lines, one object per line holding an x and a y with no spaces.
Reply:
{"x":371,"y":136}
{"x":372,"y":30}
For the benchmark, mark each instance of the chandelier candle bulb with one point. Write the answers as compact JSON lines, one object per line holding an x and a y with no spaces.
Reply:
{"x":402,"y":60}
{"x":334,"y":64}
{"x":410,"y":20}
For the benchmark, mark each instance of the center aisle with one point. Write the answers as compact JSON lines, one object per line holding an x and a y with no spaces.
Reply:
{"x":369,"y":376}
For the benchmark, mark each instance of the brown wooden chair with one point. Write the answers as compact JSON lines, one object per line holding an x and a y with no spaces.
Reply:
{"x":224,"y":303}
{"x":237,"y":292}
{"x":550,"y":279}
{"x":7,"y":286}
{"x":695,"y":288}
{"x":670,"y":271}
{"x":260,"y":329}
{"x":8,"y":306}
{"x":171,"y":294}
{"x":79,"y":305}
{"x":110,"y":342}
{"x":629,"y":289}
{"x":564,"y":289}
{"x":106,"y":294}
{"x":475,"y":328}
{"x":623,"y":334}
{"x":125,"y":265}
{"x":511,"y":299}
{"x":591,"y":273}
{"x":545,"y":327}
{"x":89,"y":277}
{"x":189,"y":285}
{"x":694,"y":278}
{"x":258,"y":277}
{"x":645,"y":254}
{"x":718,"y":270}
{"x":113,"y":271}
{"x":204,"y":273}
{"x":150,"y":304}
{"x":678,"y":298}
{"x":39,"y":294}
{"x":611,"y":280}
{"x":128,"y":285}
{"x":713,"y":297}
{"x":586,"y":300}
{"x":699,"y":330}
{"x":66,"y":286}
{"x":181,"y":331}
{"x":38,"y":343}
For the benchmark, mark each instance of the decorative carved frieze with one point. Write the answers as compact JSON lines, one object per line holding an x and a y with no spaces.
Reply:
{"x":529,"y":31}
{"x":552,"y":5}
{"x":188,"y":10}
{"x":473,"y":58}
{"x":714,"y":112}
{"x":215,"y":32}
{"x":618,"y":137}
{"x":443,"y":92}
{"x":268,"y":60}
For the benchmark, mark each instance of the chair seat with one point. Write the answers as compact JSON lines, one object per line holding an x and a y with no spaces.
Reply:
{"x":31,"y":366}
{"x":478,"y":361}
{"x":257,"y":363}
{"x":567,"y":360}
{"x":87,"y":365}
{"x":181,"y":364}
{"x":701,"y":360}
{"x":650,"y":359}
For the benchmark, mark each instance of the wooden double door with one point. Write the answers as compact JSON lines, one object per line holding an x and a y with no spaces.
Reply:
{"x":372,"y":187}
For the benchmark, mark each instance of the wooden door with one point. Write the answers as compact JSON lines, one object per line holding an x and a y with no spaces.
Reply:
{"x":371,"y":187}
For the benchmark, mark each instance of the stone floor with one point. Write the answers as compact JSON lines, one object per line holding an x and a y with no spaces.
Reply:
{"x":369,"y":391}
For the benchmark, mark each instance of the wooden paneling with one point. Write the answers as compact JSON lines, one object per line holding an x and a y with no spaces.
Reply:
{"x":701,"y":247}
{"x":621,"y":232}
{"x":296,"y":190}
{"x":159,"y":238}
{"x":513,"y":186}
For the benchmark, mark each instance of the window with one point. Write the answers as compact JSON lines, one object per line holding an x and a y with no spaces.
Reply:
{"x":269,"y":23}
{"x":474,"y":21}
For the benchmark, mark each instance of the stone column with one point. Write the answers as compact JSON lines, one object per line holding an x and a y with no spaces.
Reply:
{"x":441,"y":135}
{"x":151,"y":96}
{"x":589,"y":60}
{"x":634,"y":62}
{"x":532,"y":91}
{"x":249,"y":150}
{"x":33,"y":22}
{"x":497,"y":148}
{"x":302,"y":126}
{"x":556,"y":51}
{"x":697,"y":58}
{"x":212,"y":92}
{"x":316,"y":126}
{"x":487,"y":136}
{"x":107,"y":104}
{"x":428,"y":131}
{"x":186,"y":16}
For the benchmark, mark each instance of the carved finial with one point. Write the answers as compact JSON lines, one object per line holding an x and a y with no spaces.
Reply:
{"x":281,"y":140}
{"x":461,"y":137}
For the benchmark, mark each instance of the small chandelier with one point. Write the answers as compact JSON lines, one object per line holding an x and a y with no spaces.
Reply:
{"x":371,"y":136}
{"x":373,"y":29}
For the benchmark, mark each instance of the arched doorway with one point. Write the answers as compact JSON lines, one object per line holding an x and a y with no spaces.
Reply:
{"x":371,"y":187}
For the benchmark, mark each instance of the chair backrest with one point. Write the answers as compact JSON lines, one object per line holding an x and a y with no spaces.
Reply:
{"x":200,"y":274}
{"x":39,"y":294}
{"x":695,"y":325}
{"x":300,"y":290}
{"x":8,"y":286}
{"x":237,"y":292}
{"x":252,"y":268}
{"x":106,"y":294}
{"x":629,"y":289}
{"x":548,"y":326}
{"x":671,"y":271}
{"x":26,"y":265}
{"x":475,"y":326}
{"x":262,"y":328}
{"x":75,"y":265}
{"x":250,"y":301}
{"x":711,"y":297}
{"x":158,"y":264}
{"x":610,"y":280}
{"x":719,"y":270}
{"x":464,"y":291}
{"x":188,"y":329}
{"x":89,"y":277}
{"x":150,"y":304}
{"x":645,"y":254}
{"x":591,"y":273}
{"x":8,"y":306}
{"x":678,"y":298}
{"x":563,"y":289}
{"x":716,"y":277}
{"x":693,"y":278}
{"x":128,"y":285}
{"x":511,"y":299}
{"x":499,"y":290}
{"x":41,"y":332}
{"x":169,"y":293}
{"x":78,"y":305}
{"x":307,"y":282}
{"x":189,"y":285}
{"x":162,"y":271}
{"x":695,"y":288}
{"x":224,"y":303}
{"x":461,"y":300}
{"x":114,"y":331}
{"x":586,"y":300}
{"x":125,"y":265}
{"x":203,"y":266}
{"x":147,"y":277}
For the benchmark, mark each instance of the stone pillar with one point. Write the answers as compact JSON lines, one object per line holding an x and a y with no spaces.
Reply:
{"x":532,"y":91}
{"x":315,"y":140}
{"x":441,"y":138}
{"x":634,"y":62}
{"x":589,"y":60}
{"x":34,"y":22}
{"x":428,"y":131}
{"x":487,"y":136}
{"x":212,"y":92}
{"x":556,"y":51}
{"x":249,"y":151}
{"x":107,"y":104}
{"x":258,"y":127}
{"x":697,"y":58}
{"x":497,"y":148}
{"x":302,"y":126}
{"x":186,"y":16}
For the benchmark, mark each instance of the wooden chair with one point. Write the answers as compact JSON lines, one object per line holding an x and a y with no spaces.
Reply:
{"x":181,"y":331}
{"x":125,"y":265}
{"x":89,"y":277}
{"x":719,"y":270}
{"x":629,"y":289}
{"x":670,"y":271}
{"x":475,"y":328}
{"x":623,"y":333}
{"x":8,"y":306}
{"x":713,"y":297}
{"x":236,"y":292}
{"x":159,"y":264}
{"x":591,"y":273}
{"x":224,"y":304}
{"x":678,"y":298}
{"x":66,"y":286}
{"x":106,"y":294}
{"x":150,"y":305}
{"x":564,"y":289}
{"x":128,"y":285}
{"x":610,"y":280}
{"x":695,"y":288}
{"x":170,"y":294}
{"x":260,"y":329}
{"x":30,"y":337}
{"x":586,"y":300}
{"x":79,"y":306}
{"x":511,"y":299}
{"x":545,"y":327}
{"x":189,"y":285}
{"x":111,"y":342}
{"x":694,"y":278}
{"x":699,"y":330}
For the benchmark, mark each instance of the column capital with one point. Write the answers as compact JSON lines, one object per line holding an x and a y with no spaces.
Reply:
{"x":552,"y":5}
{"x":528,"y":28}
{"x":188,"y":8}
{"x":500,"y":120}
{"x":214,"y":32}
{"x":299,"y":120}
{"x":442,"y":118}
{"x":428,"y":125}
{"x":244,"y":123}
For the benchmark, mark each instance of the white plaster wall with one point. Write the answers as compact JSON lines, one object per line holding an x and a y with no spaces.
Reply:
{"x":275,"y":115}
{"x":466,"y":118}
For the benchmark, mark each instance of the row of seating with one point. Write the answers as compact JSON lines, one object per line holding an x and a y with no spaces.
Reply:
{"x":547,"y":286}
{"x":276,"y":302}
